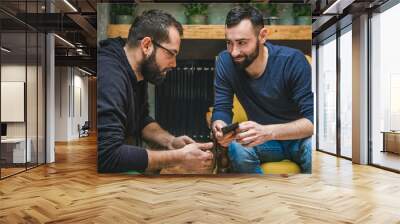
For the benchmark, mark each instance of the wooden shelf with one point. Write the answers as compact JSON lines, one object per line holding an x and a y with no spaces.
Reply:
{"x":217,"y":32}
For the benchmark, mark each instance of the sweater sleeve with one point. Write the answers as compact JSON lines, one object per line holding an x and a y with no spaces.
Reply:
{"x":223,"y":93}
{"x":112,"y":97}
{"x":299,"y":71}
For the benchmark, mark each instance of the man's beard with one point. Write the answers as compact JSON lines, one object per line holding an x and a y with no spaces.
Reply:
{"x":151,"y":71}
{"x":248,"y":59}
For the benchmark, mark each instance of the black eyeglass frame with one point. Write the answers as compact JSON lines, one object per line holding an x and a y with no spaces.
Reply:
{"x":170,"y":52}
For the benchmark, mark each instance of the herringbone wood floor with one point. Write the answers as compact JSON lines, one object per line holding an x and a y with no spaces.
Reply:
{"x":71,"y":191}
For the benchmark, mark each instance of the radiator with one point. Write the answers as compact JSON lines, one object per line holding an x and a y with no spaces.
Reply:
{"x":183,"y":99}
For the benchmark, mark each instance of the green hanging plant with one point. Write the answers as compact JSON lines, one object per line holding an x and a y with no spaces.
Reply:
{"x":195,"y":9}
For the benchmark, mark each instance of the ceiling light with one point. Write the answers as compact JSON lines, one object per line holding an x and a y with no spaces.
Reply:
{"x":84,"y":71}
{"x":65,"y":41}
{"x":70,"y":5}
{"x":330,"y":8}
{"x":5,"y":50}
{"x":337,"y":7}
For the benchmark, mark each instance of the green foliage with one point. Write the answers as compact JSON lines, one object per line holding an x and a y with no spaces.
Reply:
{"x":267,"y":9}
{"x":195,"y":9}
{"x":302,"y":10}
{"x":122,"y":9}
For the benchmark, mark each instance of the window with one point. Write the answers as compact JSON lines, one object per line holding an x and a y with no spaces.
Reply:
{"x":22,"y":77}
{"x":385,"y":88}
{"x":346,"y":92}
{"x":327,"y":96}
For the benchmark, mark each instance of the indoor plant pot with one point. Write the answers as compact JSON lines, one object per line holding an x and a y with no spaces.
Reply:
{"x":272,"y":20}
{"x":197,"y":19}
{"x":196,"y":13}
{"x":123,"y":19}
{"x":270,"y":13}
{"x":303,"y":20}
{"x":303,"y":14}
{"x":286,"y":14}
{"x":123,"y":13}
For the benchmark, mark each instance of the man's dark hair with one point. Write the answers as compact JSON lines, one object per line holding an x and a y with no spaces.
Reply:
{"x":240,"y":13}
{"x":154,"y":24}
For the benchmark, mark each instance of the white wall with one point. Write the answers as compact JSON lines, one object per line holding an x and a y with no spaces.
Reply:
{"x":70,"y":83}
{"x":61,"y":103}
{"x":79,"y":117}
{"x":13,"y":73}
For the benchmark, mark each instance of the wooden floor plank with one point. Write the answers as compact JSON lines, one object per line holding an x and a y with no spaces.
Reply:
{"x":71,"y":191}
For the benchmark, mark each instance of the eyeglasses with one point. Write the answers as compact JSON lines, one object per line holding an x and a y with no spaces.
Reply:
{"x":171,"y":52}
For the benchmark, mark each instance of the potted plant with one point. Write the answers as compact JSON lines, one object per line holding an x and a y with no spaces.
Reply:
{"x":286,"y":16}
{"x":269,"y":11}
{"x":303,"y":14}
{"x":272,"y":13}
{"x":196,"y":13}
{"x":123,"y":13}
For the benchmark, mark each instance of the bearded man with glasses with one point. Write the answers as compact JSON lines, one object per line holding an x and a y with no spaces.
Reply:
{"x":124,"y":68}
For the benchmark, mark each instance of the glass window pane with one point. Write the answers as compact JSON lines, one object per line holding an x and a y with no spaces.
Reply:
{"x":32,"y":85}
{"x":346,"y":94}
{"x":23,"y":87}
{"x":385,"y":84}
{"x":327,"y":96}
{"x":14,"y":153}
{"x":31,"y":97}
{"x":41,"y":98}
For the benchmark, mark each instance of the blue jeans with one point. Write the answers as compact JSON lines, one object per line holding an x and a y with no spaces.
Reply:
{"x":248,"y":160}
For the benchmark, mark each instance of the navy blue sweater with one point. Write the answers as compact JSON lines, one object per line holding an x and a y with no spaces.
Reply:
{"x":281,"y":94}
{"x":122,"y":110}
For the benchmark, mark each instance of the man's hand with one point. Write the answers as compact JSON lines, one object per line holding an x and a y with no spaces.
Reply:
{"x":180,"y":142}
{"x":197,"y":157}
{"x":217,"y":129}
{"x":252,"y":134}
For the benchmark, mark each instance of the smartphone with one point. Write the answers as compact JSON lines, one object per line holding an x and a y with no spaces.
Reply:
{"x":229,"y":128}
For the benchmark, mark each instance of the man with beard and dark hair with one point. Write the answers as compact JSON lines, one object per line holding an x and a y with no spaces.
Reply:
{"x":273,"y":84}
{"x":122,"y":105}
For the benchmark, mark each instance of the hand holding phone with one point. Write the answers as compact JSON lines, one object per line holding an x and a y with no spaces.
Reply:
{"x":230,"y":128}
{"x":223,"y":137}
